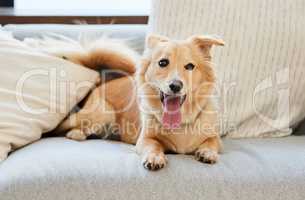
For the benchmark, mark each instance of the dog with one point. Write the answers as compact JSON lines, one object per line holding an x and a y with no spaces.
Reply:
{"x":163,"y":104}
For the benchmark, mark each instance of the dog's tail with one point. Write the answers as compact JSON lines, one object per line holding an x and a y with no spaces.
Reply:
{"x":99,"y":54}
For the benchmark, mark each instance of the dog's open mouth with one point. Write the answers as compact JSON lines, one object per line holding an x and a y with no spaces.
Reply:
{"x":171,"y":118}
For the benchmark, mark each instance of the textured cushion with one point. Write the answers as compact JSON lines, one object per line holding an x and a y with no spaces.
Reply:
{"x":134,"y":34}
{"x":61,"y":169}
{"x":36,"y":92}
{"x":261,"y":68}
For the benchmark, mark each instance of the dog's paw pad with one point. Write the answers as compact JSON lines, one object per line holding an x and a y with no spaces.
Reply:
{"x":154,"y":161}
{"x":206,"y":156}
{"x":76,"y":134}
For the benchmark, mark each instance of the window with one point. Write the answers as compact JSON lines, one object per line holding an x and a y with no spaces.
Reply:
{"x":104,"y":7}
{"x":74,"y":11}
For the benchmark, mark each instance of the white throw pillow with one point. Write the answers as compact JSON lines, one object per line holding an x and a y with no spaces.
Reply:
{"x":260,"y":70}
{"x":36,"y":92}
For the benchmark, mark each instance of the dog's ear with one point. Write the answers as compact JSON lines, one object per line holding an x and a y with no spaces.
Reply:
{"x":152,"y":40}
{"x":205,"y":43}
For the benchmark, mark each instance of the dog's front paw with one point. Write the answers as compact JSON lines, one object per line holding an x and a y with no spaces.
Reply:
{"x":76,"y":134}
{"x":154,"y":161}
{"x":206,"y":155}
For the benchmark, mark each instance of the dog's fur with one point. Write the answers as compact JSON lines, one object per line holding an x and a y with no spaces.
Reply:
{"x":102,"y":53}
{"x":134,"y":107}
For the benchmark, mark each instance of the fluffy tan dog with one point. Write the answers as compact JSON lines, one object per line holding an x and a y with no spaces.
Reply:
{"x":165,"y":107}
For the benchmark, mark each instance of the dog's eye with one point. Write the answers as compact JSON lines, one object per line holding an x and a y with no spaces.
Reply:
{"x":189,"y":66}
{"x":163,"y":62}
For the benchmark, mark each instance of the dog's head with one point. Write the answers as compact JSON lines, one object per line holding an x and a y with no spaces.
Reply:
{"x":179,"y":73}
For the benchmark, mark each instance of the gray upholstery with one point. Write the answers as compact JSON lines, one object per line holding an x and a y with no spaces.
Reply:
{"x":134,"y":34}
{"x":61,"y":169}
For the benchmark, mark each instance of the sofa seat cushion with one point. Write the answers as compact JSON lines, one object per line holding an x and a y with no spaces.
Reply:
{"x":61,"y":169}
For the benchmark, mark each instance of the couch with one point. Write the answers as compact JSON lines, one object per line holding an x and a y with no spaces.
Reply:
{"x":55,"y":168}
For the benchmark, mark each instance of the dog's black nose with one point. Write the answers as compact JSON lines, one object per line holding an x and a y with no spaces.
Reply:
{"x":176,"y":86}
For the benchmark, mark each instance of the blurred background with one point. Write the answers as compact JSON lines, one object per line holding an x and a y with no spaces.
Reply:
{"x":74,"y":11}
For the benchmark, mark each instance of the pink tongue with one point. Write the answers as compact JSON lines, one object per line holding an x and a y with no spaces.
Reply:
{"x":171,"y":115}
